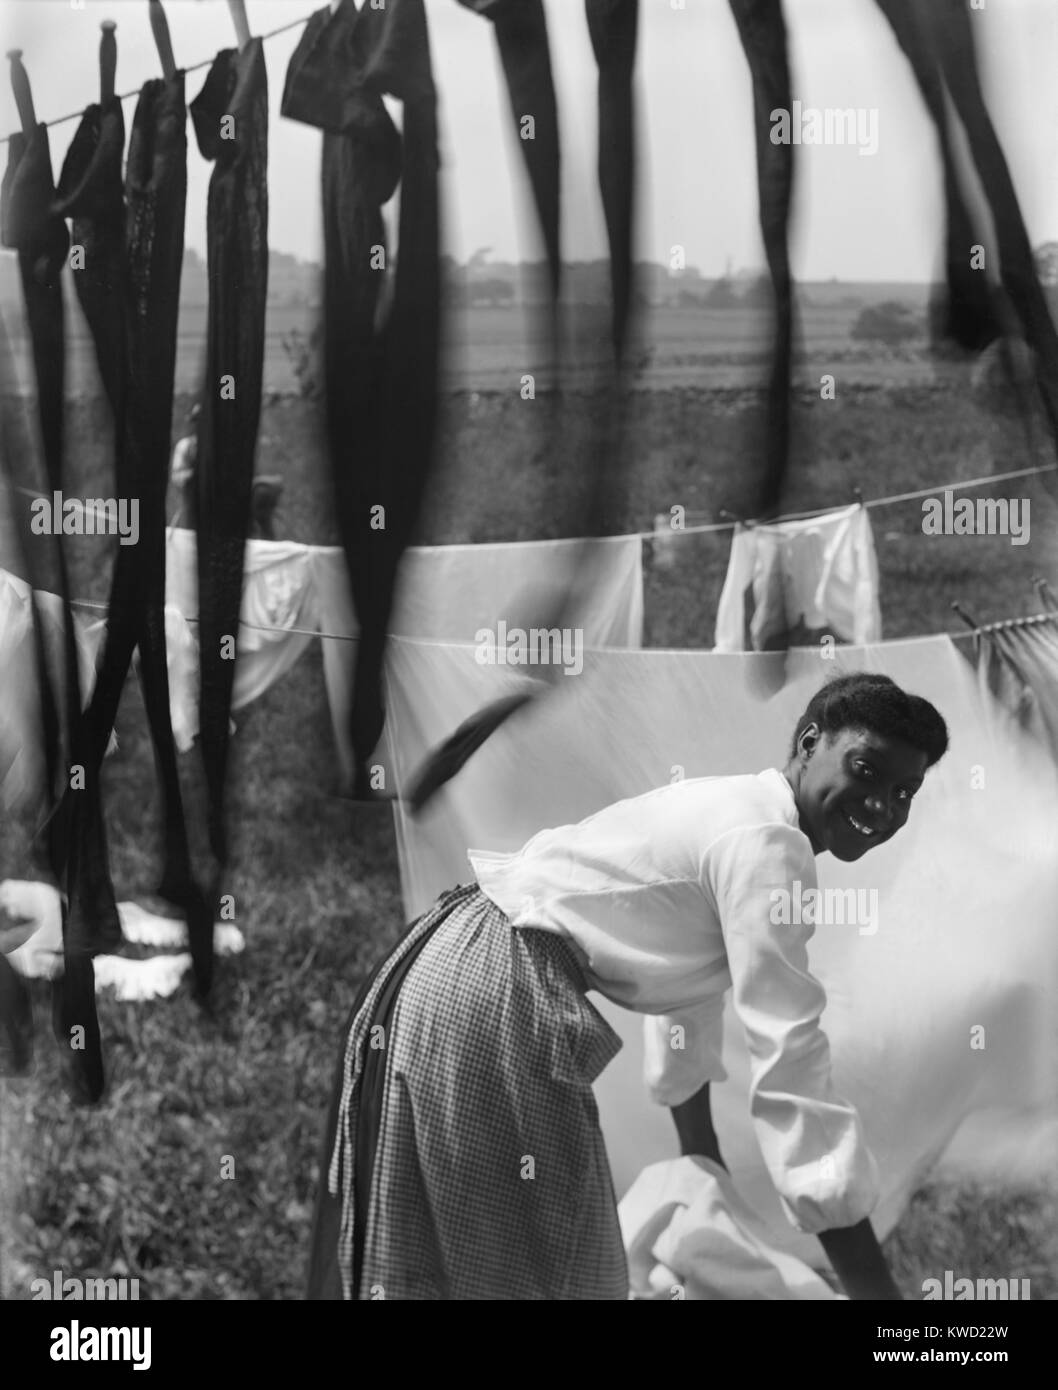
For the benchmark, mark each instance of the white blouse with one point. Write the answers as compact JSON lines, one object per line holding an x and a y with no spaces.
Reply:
{"x":668,"y":900}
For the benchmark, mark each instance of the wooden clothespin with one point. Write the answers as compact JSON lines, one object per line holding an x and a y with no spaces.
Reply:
{"x":857,"y":496}
{"x":1044,"y":593}
{"x":23,"y":96}
{"x":108,"y":61}
{"x":242,"y":24}
{"x":162,"y":42}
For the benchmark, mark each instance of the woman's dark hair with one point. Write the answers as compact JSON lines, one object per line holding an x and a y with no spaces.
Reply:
{"x":876,"y":703}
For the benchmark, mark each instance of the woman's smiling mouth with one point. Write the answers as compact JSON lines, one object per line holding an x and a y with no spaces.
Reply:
{"x":859,"y":827}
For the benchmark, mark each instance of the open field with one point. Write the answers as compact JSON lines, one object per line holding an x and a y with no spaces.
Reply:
{"x":134,"y":1187}
{"x":488,"y":348}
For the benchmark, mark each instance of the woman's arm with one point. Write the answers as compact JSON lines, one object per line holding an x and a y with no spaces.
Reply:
{"x":858,"y":1262}
{"x":852,"y":1250}
{"x":694,"y":1124}
{"x":811,"y":1139}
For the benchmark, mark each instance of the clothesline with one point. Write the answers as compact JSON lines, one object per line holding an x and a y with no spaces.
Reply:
{"x":870,"y":502}
{"x":960,"y":634}
{"x":95,"y":604}
{"x":711,"y":527}
{"x":195,"y":67}
{"x":718,"y":526}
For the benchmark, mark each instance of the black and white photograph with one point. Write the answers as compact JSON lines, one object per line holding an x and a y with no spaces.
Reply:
{"x":529,"y":664}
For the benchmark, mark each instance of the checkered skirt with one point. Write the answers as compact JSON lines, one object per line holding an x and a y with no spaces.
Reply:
{"x":490,"y":1177}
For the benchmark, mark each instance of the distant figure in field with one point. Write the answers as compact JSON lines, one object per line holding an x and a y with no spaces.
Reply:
{"x":266,"y":490}
{"x":265,"y":498}
{"x":185,"y":456}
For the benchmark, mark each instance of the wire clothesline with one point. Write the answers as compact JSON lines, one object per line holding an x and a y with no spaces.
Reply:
{"x":721,"y":526}
{"x":869,"y":502}
{"x":193,"y":67}
{"x":1032,"y":620}
{"x":718,"y":526}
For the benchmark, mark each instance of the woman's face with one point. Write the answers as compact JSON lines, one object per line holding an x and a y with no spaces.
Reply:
{"x":854,"y":788}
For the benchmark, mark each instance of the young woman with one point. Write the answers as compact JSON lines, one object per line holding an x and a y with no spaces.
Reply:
{"x":463,"y":1157}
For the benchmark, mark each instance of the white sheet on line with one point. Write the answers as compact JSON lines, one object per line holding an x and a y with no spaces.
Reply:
{"x":451,"y":592}
{"x":966,"y":892}
{"x":444,"y":591}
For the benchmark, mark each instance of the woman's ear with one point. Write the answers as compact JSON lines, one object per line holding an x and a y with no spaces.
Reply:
{"x":808,"y":741}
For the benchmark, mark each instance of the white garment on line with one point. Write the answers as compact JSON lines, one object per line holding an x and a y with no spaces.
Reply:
{"x":902,"y":1003}
{"x":452,"y":592}
{"x":788,"y":583}
{"x":23,"y":776}
{"x":278,"y":595}
{"x":1019,"y":667}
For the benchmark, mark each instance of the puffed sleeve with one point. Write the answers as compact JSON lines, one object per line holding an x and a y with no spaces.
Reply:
{"x":682,"y":1051}
{"x":811,"y":1139}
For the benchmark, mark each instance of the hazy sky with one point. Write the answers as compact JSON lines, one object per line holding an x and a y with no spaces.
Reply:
{"x":859,"y":217}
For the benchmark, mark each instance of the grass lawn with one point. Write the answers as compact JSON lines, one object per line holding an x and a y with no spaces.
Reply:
{"x":135,"y":1186}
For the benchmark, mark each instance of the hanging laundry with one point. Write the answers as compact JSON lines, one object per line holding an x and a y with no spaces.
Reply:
{"x":278,"y":595}
{"x":1017,"y":663}
{"x":42,"y":727}
{"x":16,"y":1023}
{"x":380,"y":385}
{"x":762,"y":33}
{"x":36,"y":908}
{"x":612,"y":25}
{"x":795,"y":582}
{"x":90,"y":191}
{"x":24,"y":787}
{"x":521,"y":38}
{"x":30,"y":226}
{"x":231,"y":125}
{"x":146,"y":264}
{"x":902,"y":1000}
{"x":29,"y":223}
{"x":455,"y":592}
